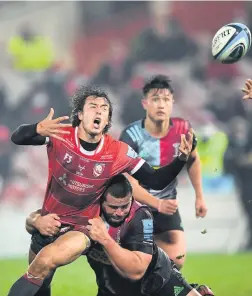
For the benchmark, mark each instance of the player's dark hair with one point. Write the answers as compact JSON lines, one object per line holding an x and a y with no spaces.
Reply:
{"x":119,"y":187}
{"x":157,"y":82}
{"x":78,"y":101}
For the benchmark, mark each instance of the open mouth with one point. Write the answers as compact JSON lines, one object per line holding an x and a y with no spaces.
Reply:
{"x":160,"y":113}
{"x":97,"y":122}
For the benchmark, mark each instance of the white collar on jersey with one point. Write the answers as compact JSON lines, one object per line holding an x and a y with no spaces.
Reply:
{"x":82,"y":150}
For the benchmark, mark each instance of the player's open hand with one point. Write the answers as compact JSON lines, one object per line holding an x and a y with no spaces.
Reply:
{"x":97,"y":230}
{"x":247,"y":90}
{"x":167,"y":206}
{"x":50,"y":127}
{"x":48,"y":225}
{"x":185,"y":146}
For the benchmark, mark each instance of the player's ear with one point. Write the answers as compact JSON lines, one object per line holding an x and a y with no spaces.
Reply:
{"x":144,"y":103}
{"x":80,"y":115}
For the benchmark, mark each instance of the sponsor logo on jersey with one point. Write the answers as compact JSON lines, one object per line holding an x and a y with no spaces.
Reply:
{"x":107,"y":156}
{"x":68,"y":158}
{"x":63,"y":179}
{"x":98,"y":169}
{"x":148,"y":229}
{"x":131,"y":153}
{"x":78,"y":186}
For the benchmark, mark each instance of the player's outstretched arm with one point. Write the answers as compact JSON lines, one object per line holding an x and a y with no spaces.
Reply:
{"x":36,"y":134}
{"x":247,"y":90}
{"x":161,"y":178}
{"x":163,"y":206}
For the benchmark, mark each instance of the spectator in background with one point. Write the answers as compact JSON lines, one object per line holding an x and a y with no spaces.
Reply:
{"x":30,"y":52}
{"x":165,"y":40}
{"x":224,"y":96}
{"x":238,"y":163}
{"x":212,"y":144}
{"x":116,"y":71}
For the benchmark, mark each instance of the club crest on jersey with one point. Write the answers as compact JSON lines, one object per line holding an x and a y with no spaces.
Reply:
{"x":98,"y":169}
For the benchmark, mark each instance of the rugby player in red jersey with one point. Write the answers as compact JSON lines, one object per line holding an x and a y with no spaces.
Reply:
{"x":82,"y":160}
{"x":123,"y":255}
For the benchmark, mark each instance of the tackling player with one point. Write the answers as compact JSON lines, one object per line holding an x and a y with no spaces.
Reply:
{"x":156,"y":139}
{"x":123,"y":255}
{"x":82,"y":159}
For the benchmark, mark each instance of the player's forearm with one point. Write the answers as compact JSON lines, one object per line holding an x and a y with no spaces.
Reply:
{"x":30,"y":221}
{"x":194,"y":173}
{"x":126,"y":262}
{"x":26,"y":134}
{"x":161,"y":178}
{"x":142,"y":195}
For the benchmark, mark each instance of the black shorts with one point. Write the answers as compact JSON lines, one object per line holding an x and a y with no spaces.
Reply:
{"x":176,"y":286}
{"x":163,"y":223}
{"x":39,"y":241}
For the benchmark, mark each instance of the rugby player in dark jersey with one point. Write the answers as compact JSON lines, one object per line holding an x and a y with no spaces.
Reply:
{"x":82,"y":159}
{"x":123,"y":255}
{"x":156,"y":139}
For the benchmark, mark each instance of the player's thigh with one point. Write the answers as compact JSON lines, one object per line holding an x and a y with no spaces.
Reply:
{"x":168,"y":230}
{"x":174,"y":245}
{"x":64,"y":250}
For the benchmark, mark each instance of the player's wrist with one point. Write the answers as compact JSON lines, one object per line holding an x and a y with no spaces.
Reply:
{"x":107,"y":242}
{"x":38,"y":128}
{"x":182,"y":157}
{"x":35,"y":222}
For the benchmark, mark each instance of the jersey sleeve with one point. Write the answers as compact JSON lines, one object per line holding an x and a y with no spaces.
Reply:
{"x":127,"y":137}
{"x":127,"y":160}
{"x":26,"y":134}
{"x":139,"y":233}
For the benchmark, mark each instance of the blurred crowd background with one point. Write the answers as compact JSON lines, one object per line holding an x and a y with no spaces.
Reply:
{"x":48,"y":49}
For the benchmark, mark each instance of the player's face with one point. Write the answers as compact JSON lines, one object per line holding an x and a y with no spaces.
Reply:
{"x":115,"y":210}
{"x":95,"y":115}
{"x":158,"y":104}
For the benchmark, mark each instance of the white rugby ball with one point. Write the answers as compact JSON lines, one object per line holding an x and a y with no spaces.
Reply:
{"x":231,"y":43}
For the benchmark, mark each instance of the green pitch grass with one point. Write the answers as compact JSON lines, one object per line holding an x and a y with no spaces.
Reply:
{"x":227,"y":275}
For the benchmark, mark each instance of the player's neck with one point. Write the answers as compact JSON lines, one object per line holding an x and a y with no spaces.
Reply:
{"x":157,"y":129}
{"x":83,"y":135}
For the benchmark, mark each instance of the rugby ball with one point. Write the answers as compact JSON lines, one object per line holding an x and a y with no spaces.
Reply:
{"x":231,"y":43}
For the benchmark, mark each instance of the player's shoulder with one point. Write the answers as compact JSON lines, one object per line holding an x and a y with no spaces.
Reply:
{"x":139,"y":212}
{"x":133,"y":126}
